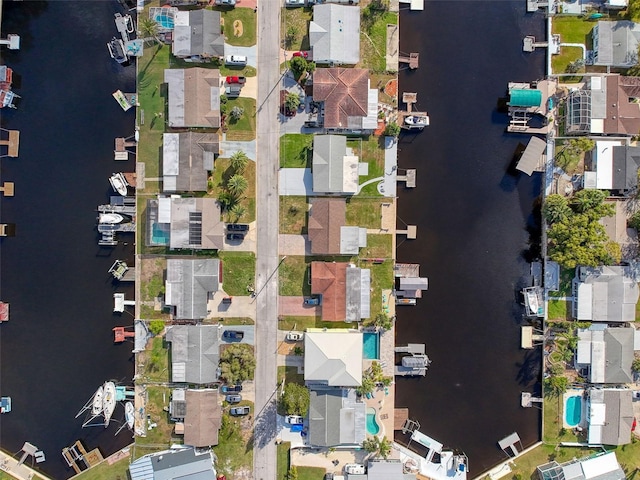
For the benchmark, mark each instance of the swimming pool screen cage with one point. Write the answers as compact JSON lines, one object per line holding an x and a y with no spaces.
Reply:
{"x":164,"y":17}
{"x":578,"y":113}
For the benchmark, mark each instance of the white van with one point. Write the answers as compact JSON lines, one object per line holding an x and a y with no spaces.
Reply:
{"x":354,"y":469}
{"x":240,"y":60}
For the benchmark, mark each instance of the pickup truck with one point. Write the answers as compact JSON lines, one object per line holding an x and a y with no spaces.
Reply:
{"x":238,"y":411}
{"x":230,"y":388}
{"x":233,"y":334}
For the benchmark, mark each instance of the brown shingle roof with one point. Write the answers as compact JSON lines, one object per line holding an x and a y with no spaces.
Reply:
{"x":202,"y":422}
{"x":197,"y":97}
{"x":344,"y":92}
{"x":329,"y":280}
{"x":623,"y":116}
{"x":325,"y":219}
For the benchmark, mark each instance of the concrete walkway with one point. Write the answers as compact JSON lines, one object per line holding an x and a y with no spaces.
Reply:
{"x":229,"y":147}
{"x":21,"y":472}
{"x":294,"y":306}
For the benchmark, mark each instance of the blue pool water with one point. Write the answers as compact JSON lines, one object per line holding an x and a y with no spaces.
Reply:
{"x":572,"y":410}
{"x":165,"y":22}
{"x":159,"y":235}
{"x":370,"y":346}
{"x":372,"y":426}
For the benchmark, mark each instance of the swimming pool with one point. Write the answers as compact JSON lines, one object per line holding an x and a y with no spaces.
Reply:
{"x":572,"y":410}
{"x":159,"y":235}
{"x":370,"y":346}
{"x":164,"y":21}
{"x":372,"y":426}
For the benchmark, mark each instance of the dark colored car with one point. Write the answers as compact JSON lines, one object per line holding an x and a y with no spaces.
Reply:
{"x":230,"y":388}
{"x":234,"y":79}
{"x":301,"y":54}
{"x":227,"y":300}
{"x":233,"y":398}
{"x":237,"y":227}
{"x":235,"y":236}
{"x":233,"y":334}
{"x":312,"y":301}
{"x":237,"y":411}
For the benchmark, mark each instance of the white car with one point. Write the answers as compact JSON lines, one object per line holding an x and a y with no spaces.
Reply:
{"x":295,"y":336}
{"x":240,"y":60}
{"x":294,"y":419}
{"x":294,"y":3}
{"x":354,"y":469}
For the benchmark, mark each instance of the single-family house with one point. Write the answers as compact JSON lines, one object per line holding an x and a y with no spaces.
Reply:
{"x":334,"y":34}
{"x":334,"y":166}
{"x":615,"y":43}
{"x":203,"y":418}
{"x":328,"y":233}
{"x":189,"y":283}
{"x":185,"y":223}
{"x":345,"y":290}
{"x":602,"y":467}
{"x":195,"y":353}
{"x":605,"y":294}
{"x":182,"y":463}
{"x":350,"y":104}
{"x":336,"y":418}
{"x":605,"y":354}
{"x":194,"y":97}
{"x":333,"y":358}
{"x":610,"y":416}
{"x":197,"y":35}
{"x":187,"y":159}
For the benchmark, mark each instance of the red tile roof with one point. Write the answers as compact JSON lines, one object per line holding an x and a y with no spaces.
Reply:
{"x":325,"y":219}
{"x":329,"y":280}
{"x":345,"y":93}
{"x":623,"y":115}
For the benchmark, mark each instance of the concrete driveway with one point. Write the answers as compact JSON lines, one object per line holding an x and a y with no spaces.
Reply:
{"x":291,"y":244}
{"x":250,"y":52}
{"x":296,"y":181}
{"x":229,"y":147}
{"x":239,"y":307}
{"x":249,"y":334}
{"x":248,"y":244}
{"x":295,"y":306}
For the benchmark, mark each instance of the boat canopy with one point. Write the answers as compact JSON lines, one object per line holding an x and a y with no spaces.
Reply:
{"x":520,"y":97}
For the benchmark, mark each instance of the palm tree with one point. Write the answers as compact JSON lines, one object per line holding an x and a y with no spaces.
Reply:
{"x":148,"y":29}
{"x":380,"y":447}
{"x":237,"y":211}
{"x":237,"y":184}
{"x":239,"y":161}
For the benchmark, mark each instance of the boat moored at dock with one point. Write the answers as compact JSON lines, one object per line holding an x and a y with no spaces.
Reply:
{"x":96,"y":408}
{"x":119,"y":183}
{"x":108,"y":402}
{"x":417,"y":122}
{"x":129,"y":414}
{"x":117,"y":51}
{"x":5,"y":404}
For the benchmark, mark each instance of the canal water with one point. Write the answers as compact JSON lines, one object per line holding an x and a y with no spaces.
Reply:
{"x":58,"y":346}
{"x":477,"y":226}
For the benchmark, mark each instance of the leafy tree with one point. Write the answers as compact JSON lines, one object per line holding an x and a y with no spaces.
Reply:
{"x":292,"y":474}
{"x":227,"y":200}
{"x":382,"y":320}
{"x":580,"y":240}
{"x":295,"y":399}
{"x":239,"y":161}
{"x":635,"y":366}
{"x":148,"y":29}
{"x":634,"y":221}
{"x":311,"y":67}
{"x":223,"y":104}
{"x":556,"y":385}
{"x":292,"y":101}
{"x":237,"y":184}
{"x":237,"y":363}
{"x":370,"y":444}
{"x":366,"y":386}
{"x":290,"y":35}
{"x":392,"y":129}
{"x":380,"y":447}
{"x":156,"y":326}
{"x":556,"y":208}
{"x":591,"y":202}
{"x":236,"y":113}
{"x":298,"y":66}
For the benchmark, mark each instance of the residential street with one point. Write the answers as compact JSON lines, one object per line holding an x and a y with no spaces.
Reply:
{"x":267,"y":143}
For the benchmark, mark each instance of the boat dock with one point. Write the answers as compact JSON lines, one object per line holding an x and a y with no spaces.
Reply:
{"x":412,"y":60}
{"x":7,"y":229}
{"x":122,"y":144}
{"x":12,"y":41}
{"x":118,"y":204}
{"x":120,"y":334}
{"x":534,"y":5}
{"x":17,"y":468}
{"x":7,"y":189}
{"x":119,"y":303}
{"x":4,"y":312}
{"x":527,"y":400}
{"x":530,"y":337}
{"x":409,"y":178}
{"x":76,"y":456}
{"x":122,"y":272}
{"x":12,"y":142}
{"x":415,"y":363}
{"x":409,"y":99}
{"x":412,"y":348}
{"x":411,"y":232}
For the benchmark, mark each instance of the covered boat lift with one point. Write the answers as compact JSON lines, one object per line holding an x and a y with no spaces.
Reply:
{"x":531,"y":159}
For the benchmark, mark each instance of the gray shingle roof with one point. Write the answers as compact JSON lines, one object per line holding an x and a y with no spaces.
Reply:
{"x":334,"y":34}
{"x":193,"y":97}
{"x":336,"y":418}
{"x":626,"y":161}
{"x":616,"y":43}
{"x":606,"y":294}
{"x":199,"y":35}
{"x":203,"y":418}
{"x":196,"y":223}
{"x":195,"y":353}
{"x":171,"y":464}
{"x":608,"y":352}
{"x":333,"y":170}
{"x":186,"y":160}
{"x":188,"y":284}
{"x":618,"y":418}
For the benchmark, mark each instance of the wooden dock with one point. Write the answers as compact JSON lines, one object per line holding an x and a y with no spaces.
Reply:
{"x":413,"y":60}
{"x":7,"y":189}
{"x":76,"y":453}
{"x":409,"y":178}
{"x":7,"y":229}
{"x":120,"y":151}
{"x":409,"y":99}
{"x":12,"y":142}
{"x":411,"y":232}
{"x":403,"y":270}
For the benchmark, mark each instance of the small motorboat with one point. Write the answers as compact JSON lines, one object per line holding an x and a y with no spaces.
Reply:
{"x":119,"y":183}
{"x":129,"y":414}
{"x":116,"y":50}
{"x":110,"y":218}
{"x":5,"y":404}
{"x":416,"y":121}
{"x":96,"y":408}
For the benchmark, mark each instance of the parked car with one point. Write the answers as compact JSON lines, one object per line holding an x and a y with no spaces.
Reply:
{"x":239,"y":60}
{"x":235,"y":236}
{"x":229,"y":3}
{"x":312,"y":301}
{"x":301,"y":54}
{"x":233,"y":334}
{"x":233,"y":398}
{"x":294,"y":3}
{"x":237,"y":227}
{"x":294,"y":419}
{"x":230,"y":388}
{"x":235,"y":79}
{"x":294,"y":336}
{"x":354,"y":469}
{"x":237,"y":411}
{"x":233,"y":90}
{"x":328,"y":476}
{"x":227,"y":300}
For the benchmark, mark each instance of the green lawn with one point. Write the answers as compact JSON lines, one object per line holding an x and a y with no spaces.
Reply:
{"x":293,"y":276}
{"x":160,"y":436}
{"x":297,"y":21}
{"x":245,"y":127}
{"x":572,"y":29}
{"x":229,"y":321}
{"x":234,"y":450}
{"x":221,"y":174}
{"x":290,"y":375}
{"x":239,"y":271}
{"x":378,"y":246}
{"x":381,"y":279}
{"x":373,"y":40}
{"x":559,"y":310}
{"x":371,"y":151}
{"x":296,"y":150}
{"x":294,"y":214}
{"x":566,"y":277}
{"x":245,"y":34}
{"x":118,"y":471}
{"x":302,"y":323}
{"x":311,"y":473}
{"x":282,"y":455}
{"x":364,"y":212}
{"x":156,"y":361}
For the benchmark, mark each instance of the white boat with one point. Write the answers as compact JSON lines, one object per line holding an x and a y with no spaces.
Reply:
{"x":119,"y":183}
{"x":533,"y":301}
{"x":129,"y":414}
{"x":5,"y":404}
{"x":416,"y":121}
{"x":108,"y":401}
{"x":96,"y":409}
{"x":110,"y":218}
{"x":117,"y":51}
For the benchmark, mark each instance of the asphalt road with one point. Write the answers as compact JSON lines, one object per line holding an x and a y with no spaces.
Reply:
{"x":268,"y":158}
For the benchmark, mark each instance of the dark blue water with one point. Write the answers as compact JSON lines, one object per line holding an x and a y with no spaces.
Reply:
{"x":58,"y":346}
{"x":475,"y":220}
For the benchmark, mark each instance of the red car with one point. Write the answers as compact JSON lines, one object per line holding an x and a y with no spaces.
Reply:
{"x":301,"y":54}
{"x":235,"y":80}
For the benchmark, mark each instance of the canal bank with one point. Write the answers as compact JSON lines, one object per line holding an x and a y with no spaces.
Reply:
{"x":475,"y":224}
{"x":58,"y":346}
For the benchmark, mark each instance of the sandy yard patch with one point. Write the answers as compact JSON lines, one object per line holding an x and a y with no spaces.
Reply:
{"x":238,"y":29}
